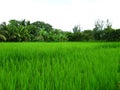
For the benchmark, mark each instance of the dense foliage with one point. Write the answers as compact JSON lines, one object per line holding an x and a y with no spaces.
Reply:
{"x":19,"y":31}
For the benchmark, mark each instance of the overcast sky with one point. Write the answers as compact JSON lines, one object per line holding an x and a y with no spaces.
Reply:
{"x":62,"y":14}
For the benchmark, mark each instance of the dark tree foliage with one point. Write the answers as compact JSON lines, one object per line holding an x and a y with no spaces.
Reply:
{"x":21,"y":31}
{"x":87,"y":35}
{"x":77,"y":33}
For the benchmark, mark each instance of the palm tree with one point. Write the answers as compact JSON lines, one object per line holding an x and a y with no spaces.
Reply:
{"x":18,"y":30}
{"x":3,"y":32}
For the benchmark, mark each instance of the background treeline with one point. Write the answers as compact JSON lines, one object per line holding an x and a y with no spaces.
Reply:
{"x":19,"y":31}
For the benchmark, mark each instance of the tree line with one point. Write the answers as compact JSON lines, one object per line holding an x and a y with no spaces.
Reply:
{"x":21,"y":31}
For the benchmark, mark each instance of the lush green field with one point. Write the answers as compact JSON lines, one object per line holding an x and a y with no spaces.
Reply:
{"x":60,"y":66}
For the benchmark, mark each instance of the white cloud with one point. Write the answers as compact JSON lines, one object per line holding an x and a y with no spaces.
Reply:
{"x":63,"y":14}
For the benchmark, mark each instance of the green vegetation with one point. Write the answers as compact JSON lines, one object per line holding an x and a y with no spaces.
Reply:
{"x":60,"y":66}
{"x":25,"y":31}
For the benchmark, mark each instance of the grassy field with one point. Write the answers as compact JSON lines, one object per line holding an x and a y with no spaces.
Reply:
{"x":60,"y":66}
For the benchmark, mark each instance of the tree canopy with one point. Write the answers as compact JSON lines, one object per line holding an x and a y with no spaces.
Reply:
{"x":21,"y":31}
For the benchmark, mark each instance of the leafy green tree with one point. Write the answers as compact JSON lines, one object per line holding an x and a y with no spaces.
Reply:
{"x":99,"y":26}
{"x":76,"y":29}
{"x":17,"y":31}
{"x":59,"y":35}
{"x":3,"y":31}
{"x":69,"y":36}
{"x":77,"y":33}
{"x":23,"y":30}
{"x":41,"y":25}
{"x":108,"y":34}
{"x":43,"y":30}
{"x":117,"y":35}
{"x":87,"y":35}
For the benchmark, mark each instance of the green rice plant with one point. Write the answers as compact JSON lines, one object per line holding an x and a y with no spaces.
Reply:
{"x":60,"y":66}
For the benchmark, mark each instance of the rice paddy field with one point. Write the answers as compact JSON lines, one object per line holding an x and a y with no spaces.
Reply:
{"x":60,"y":66}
